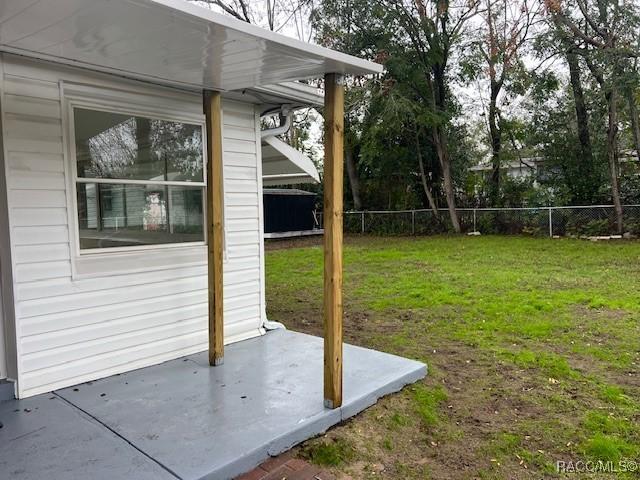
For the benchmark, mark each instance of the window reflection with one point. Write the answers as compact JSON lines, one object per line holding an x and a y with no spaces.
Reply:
{"x":133,"y":215}
{"x":117,"y":146}
{"x":146,"y":169}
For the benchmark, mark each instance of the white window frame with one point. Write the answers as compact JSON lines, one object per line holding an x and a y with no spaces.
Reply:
{"x":95,"y":261}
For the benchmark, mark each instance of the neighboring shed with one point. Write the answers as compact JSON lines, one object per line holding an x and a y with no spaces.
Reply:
{"x":289,"y":212}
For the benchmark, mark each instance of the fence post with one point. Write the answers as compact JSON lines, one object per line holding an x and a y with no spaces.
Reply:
{"x":413,"y":222}
{"x":550,"y":224}
{"x":474,"y":221}
{"x":362,"y":226}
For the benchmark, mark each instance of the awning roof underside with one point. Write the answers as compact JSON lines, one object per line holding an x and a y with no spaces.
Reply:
{"x":284,"y":165}
{"x":169,"y":42}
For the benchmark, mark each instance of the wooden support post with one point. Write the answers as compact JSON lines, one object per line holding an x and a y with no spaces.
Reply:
{"x":333,"y":183}
{"x":213,"y":113}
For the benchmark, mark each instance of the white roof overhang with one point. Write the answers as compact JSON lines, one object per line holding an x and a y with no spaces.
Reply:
{"x":284,"y":165}
{"x":293,"y":93}
{"x":171,"y":42}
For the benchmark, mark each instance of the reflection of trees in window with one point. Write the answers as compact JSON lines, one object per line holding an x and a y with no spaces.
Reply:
{"x":179,"y":147}
{"x":108,"y":153}
{"x":141,"y":148}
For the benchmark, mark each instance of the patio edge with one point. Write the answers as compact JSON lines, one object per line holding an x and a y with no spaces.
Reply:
{"x":317,"y":425}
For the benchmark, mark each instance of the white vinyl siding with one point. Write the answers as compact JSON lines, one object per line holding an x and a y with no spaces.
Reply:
{"x":3,"y":360}
{"x":152,"y":306}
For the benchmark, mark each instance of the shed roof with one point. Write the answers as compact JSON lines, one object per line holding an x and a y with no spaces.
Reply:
{"x":288,"y":191}
{"x":170,"y":42}
{"x":284,"y":165}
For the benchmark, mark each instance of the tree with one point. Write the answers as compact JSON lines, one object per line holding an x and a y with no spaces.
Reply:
{"x":337,"y":25}
{"x":398,"y":118}
{"x":505,"y":29}
{"x":554,"y":131}
{"x":353,"y":114}
{"x":630,"y":87}
{"x":415,"y":40}
{"x":582,"y":115}
{"x":432,"y":29}
{"x":604,"y":32}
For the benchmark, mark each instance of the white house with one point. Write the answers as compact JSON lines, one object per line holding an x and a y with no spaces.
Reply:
{"x":120,"y":195}
{"x":519,"y":169}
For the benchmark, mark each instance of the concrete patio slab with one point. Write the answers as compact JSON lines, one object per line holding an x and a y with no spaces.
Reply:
{"x":198,"y":422}
{"x":45,"y":437}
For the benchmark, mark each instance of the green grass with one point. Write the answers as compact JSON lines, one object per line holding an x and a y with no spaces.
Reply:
{"x":329,"y":453}
{"x":609,"y":448}
{"x":428,"y":401}
{"x":532,"y":345}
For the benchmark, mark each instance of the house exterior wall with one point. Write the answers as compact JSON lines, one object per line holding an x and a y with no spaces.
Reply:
{"x":83,"y":319}
{"x":9,"y":355}
{"x":3,"y":357}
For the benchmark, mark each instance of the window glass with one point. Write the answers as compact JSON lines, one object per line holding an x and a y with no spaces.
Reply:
{"x":118,"y":215}
{"x":128,"y":147}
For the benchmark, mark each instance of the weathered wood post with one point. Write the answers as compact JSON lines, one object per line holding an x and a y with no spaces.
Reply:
{"x":333,"y":184}
{"x":215,"y":201}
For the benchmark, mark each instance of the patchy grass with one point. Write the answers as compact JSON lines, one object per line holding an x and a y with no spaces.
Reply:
{"x":428,"y":401}
{"x":611,"y":448}
{"x":328,"y":453}
{"x":533,"y":349}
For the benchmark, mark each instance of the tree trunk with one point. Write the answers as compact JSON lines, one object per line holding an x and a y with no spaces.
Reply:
{"x":425,"y":183}
{"x":496,"y":143}
{"x":440,"y":141}
{"x":635,"y":128}
{"x":354,"y":181}
{"x":582,"y":116}
{"x":442,"y":149}
{"x":612,"y":154}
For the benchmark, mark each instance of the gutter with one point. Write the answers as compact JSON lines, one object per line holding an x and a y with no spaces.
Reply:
{"x":285,"y":113}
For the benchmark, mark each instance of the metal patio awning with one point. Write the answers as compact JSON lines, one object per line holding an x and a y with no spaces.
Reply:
{"x":169,"y":42}
{"x":284,"y":165}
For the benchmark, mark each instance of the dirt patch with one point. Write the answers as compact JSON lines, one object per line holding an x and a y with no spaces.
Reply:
{"x":358,"y":326}
{"x":479,"y":428}
{"x":297,"y":242}
{"x":606,"y":329}
{"x":600,"y":314}
{"x":493,"y":422}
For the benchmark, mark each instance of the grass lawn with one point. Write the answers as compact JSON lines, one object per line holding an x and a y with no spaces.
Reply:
{"x":533,"y":349}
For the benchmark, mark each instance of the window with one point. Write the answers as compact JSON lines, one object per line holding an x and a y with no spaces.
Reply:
{"x":139,"y":181}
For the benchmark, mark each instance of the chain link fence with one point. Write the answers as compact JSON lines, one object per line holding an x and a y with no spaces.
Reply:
{"x":592,"y":220}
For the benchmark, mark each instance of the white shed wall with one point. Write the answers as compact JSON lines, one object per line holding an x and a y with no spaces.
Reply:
{"x":152,"y":306}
